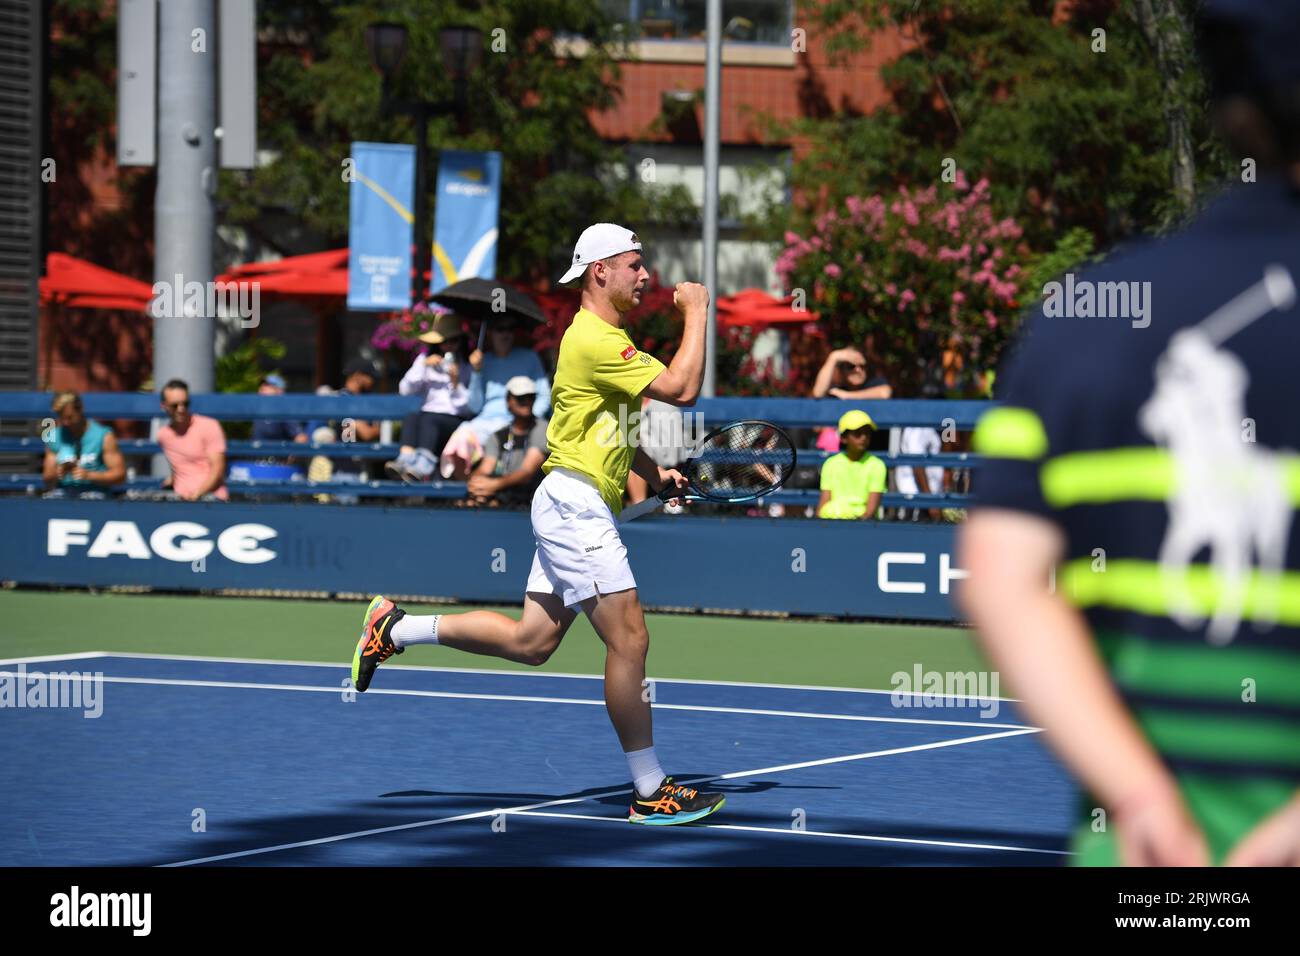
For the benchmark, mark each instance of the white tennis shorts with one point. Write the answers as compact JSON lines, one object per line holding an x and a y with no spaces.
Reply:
{"x":579,"y":553}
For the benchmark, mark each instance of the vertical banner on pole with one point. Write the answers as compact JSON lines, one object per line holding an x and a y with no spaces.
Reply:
{"x":380,"y":202}
{"x":137,"y":64}
{"x":237,"y":83}
{"x":465,"y":220}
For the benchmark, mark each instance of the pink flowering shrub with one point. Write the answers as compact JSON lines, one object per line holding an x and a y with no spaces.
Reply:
{"x":928,"y":277}
{"x":403,"y":330}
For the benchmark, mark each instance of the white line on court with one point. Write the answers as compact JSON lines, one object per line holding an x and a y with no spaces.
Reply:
{"x":562,"y":802}
{"x":804,"y":833}
{"x":53,"y":657}
{"x":535,"y":673}
{"x":875,"y":753}
{"x":451,"y":695}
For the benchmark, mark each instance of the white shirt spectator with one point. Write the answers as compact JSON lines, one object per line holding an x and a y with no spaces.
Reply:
{"x":434,"y":384}
{"x":919,"y":441}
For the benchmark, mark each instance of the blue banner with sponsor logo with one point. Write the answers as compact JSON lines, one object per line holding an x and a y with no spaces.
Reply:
{"x":465,"y":220}
{"x":380,"y":224}
{"x":795,"y":566}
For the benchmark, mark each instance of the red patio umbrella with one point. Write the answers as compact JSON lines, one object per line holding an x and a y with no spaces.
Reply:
{"x":79,"y":284}
{"x":756,"y":307}
{"x":315,"y":273}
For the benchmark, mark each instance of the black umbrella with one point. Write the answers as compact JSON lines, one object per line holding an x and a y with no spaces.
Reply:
{"x":475,"y":298}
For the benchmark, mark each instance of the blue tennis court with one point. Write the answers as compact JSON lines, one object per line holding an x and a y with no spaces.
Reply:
{"x":203,"y":761}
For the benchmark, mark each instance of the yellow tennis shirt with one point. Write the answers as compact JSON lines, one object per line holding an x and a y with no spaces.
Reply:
{"x":596,"y":401}
{"x":851,"y":483}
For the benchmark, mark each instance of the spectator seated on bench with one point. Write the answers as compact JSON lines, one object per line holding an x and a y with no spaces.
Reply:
{"x":852,"y":481}
{"x":81,"y":455}
{"x":511,"y":467}
{"x":359,"y":379}
{"x":272,"y":430}
{"x":490,"y":372}
{"x":435,"y":377}
{"x":195,"y":447}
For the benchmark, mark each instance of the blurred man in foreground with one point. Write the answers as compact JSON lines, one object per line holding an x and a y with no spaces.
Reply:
{"x":1145,"y":459}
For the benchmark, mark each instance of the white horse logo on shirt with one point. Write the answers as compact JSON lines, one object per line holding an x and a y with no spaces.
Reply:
{"x":1229,"y":494}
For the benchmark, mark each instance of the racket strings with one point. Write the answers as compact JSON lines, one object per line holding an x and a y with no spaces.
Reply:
{"x":745,"y":460}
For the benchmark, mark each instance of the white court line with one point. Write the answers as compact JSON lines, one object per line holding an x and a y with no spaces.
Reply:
{"x":515,"y":673}
{"x":913,"y":841}
{"x":451,"y":695}
{"x":53,"y":657}
{"x":875,"y":753}
{"x":562,"y":802}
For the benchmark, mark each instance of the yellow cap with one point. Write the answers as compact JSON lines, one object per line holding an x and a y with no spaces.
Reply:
{"x":851,"y":421}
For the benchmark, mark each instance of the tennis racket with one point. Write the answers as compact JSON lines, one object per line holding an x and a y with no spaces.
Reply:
{"x":735,"y":463}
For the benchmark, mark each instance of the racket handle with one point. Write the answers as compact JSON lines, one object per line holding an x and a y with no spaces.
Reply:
{"x":632,"y":512}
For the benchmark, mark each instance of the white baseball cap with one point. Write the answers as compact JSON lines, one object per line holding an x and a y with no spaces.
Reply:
{"x":521,"y":385}
{"x":600,"y":241}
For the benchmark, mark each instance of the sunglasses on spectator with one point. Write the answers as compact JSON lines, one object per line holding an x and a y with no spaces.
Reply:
{"x":847,"y":366}
{"x":182,"y":404}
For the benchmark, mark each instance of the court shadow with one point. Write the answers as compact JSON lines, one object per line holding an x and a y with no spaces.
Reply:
{"x":430,"y":828}
{"x":597,"y":795}
{"x":607,"y":840}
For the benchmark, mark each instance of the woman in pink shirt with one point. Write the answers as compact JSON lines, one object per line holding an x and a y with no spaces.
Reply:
{"x":194,"y":445}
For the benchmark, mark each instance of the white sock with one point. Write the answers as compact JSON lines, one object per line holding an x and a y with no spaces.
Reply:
{"x":646,"y":772}
{"x":415,"y":629}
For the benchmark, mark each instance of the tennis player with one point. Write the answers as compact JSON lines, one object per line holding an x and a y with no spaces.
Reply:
{"x":580,"y":562}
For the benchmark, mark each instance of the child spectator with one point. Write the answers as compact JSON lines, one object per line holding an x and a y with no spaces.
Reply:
{"x":852,"y":481}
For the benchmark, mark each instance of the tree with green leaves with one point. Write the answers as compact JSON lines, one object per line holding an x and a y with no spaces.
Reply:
{"x":1086,"y":120}
{"x":1066,"y":109}
{"x":318,"y":94}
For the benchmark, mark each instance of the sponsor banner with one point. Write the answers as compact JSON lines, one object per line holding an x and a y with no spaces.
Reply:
{"x":842,"y":568}
{"x":465,"y":218}
{"x":380,"y":224}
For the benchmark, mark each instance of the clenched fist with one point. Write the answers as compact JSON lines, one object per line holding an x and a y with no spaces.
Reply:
{"x":688,"y":296}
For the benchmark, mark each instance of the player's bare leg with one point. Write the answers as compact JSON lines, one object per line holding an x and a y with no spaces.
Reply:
{"x":657,"y":800}
{"x":620,"y":623}
{"x":387,"y":630}
{"x":530,"y":640}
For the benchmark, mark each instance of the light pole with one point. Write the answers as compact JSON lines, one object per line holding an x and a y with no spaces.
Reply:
{"x":462,"y":49}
